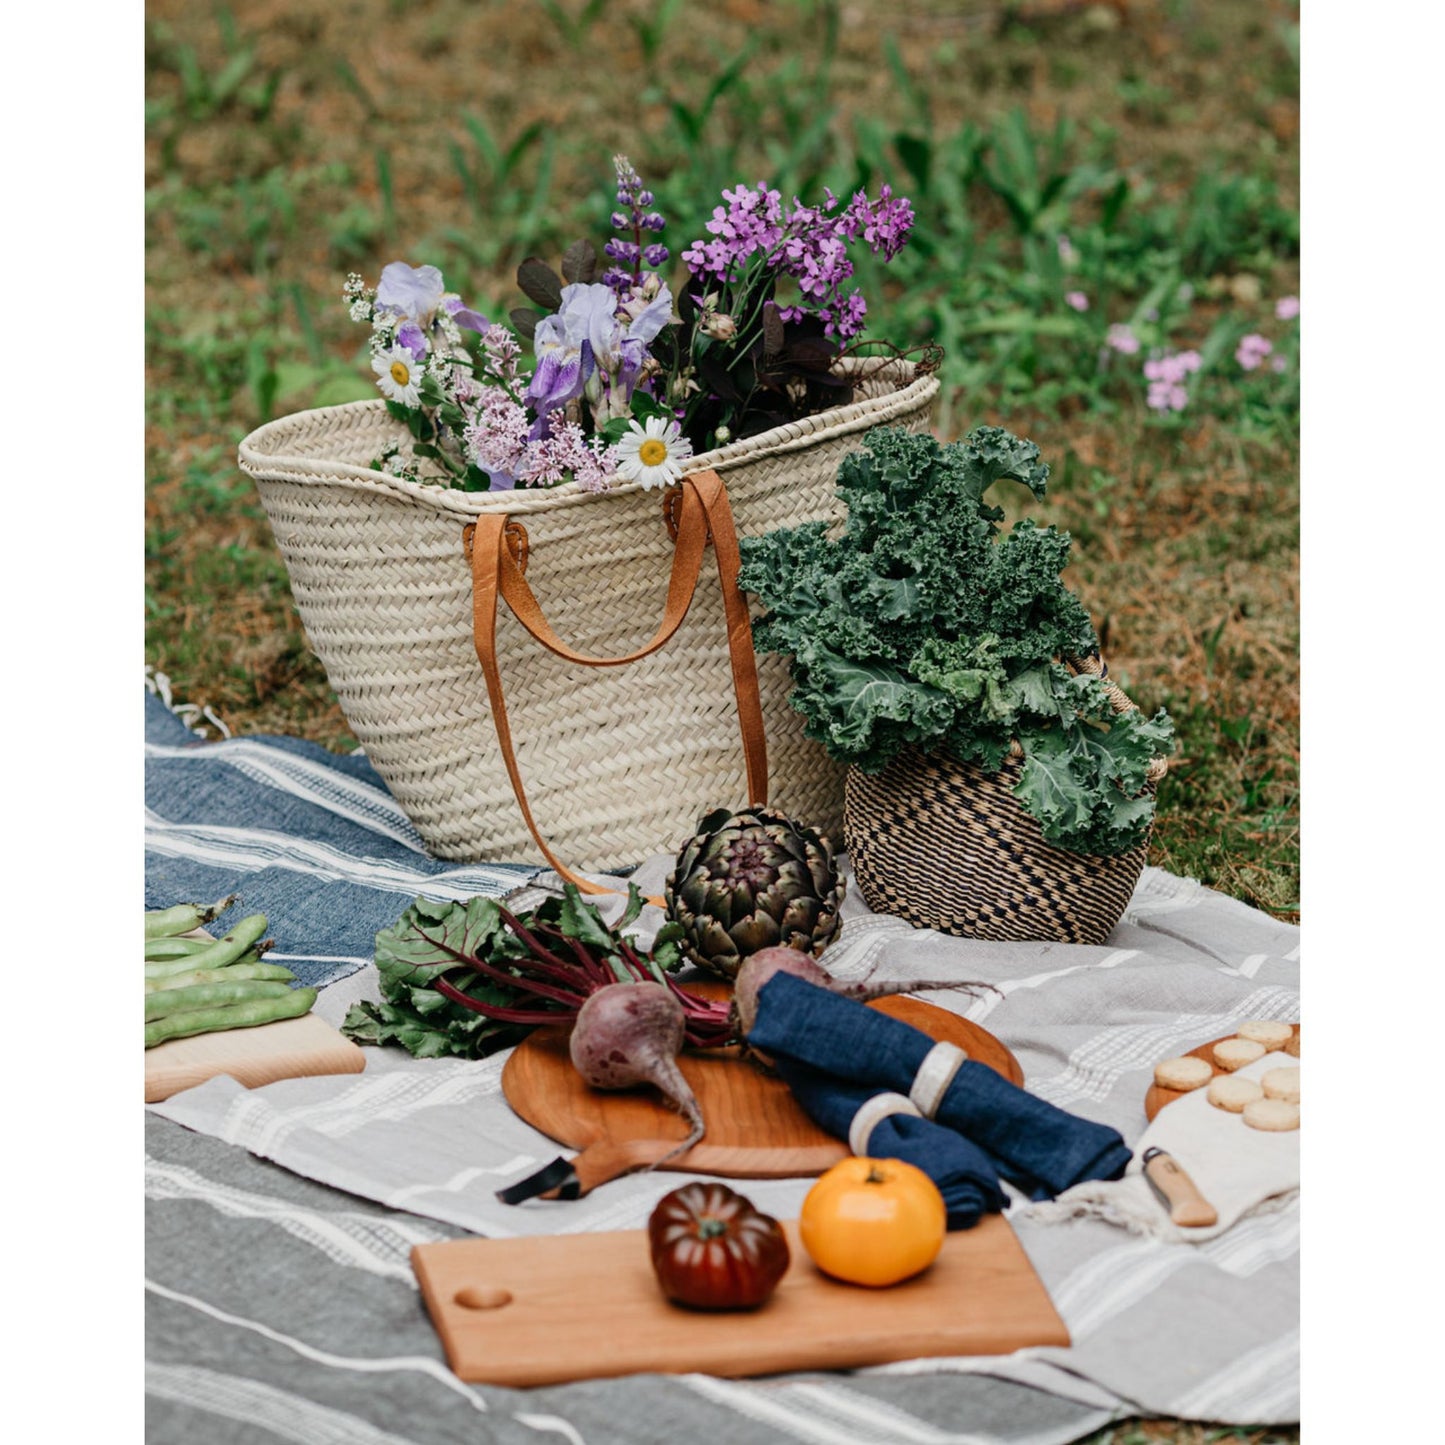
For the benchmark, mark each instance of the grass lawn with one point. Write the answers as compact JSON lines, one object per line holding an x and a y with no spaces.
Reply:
{"x":1095,"y":185}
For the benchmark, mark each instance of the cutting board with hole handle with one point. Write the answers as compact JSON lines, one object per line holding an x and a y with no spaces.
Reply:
{"x":550,"y":1309}
{"x":755,"y":1128}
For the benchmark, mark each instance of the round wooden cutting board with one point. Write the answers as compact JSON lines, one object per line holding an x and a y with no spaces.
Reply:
{"x":755,"y":1129}
{"x":1158,"y":1097}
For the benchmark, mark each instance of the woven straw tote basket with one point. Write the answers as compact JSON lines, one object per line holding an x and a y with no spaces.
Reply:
{"x":947,"y":846}
{"x":619,"y":761}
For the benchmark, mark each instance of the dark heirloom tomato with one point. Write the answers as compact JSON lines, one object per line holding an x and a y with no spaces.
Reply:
{"x":711,"y":1249}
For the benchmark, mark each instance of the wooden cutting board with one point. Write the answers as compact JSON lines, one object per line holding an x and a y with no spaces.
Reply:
{"x":542,"y":1311}
{"x":1158,"y":1097}
{"x":286,"y":1049}
{"x":755,"y":1129}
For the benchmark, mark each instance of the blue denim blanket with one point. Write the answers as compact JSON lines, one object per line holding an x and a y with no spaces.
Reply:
{"x":310,"y":838}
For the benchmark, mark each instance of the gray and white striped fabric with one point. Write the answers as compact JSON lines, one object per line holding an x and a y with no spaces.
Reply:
{"x":281,"y":1305}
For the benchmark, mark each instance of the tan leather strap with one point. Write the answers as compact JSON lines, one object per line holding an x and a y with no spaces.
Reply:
{"x":497,"y":570}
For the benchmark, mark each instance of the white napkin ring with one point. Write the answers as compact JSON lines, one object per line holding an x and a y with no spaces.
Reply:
{"x":867,"y":1119}
{"x":934,"y":1076}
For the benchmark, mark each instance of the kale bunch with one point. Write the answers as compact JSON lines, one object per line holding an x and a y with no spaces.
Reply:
{"x":923,"y":627}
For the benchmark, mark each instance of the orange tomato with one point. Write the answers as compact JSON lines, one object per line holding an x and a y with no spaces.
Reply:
{"x":873,"y":1221}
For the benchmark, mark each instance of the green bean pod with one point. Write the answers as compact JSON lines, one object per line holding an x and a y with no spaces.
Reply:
{"x":230,"y":949}
{"x":167,"y":1001}
{"x":185,"y":917}
{"x":158,"y":949}
{"x":269,"y":972}
{"x":162,"y":969}
{"x":233,"y":1016}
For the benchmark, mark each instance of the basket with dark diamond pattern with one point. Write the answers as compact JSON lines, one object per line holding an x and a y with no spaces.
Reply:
{"x":947,"y":846}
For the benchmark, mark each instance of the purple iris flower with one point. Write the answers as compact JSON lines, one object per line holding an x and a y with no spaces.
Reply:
{"x":411,"y":291}
{"x":463,"y":315}
{"x":567,"y":344}
{"x":409,"y":335}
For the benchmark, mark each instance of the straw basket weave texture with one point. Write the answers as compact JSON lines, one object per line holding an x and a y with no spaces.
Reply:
{"x":947,"y":846}
{"x":619,"y":761}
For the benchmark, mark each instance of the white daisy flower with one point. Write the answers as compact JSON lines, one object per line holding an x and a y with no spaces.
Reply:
{"x":397,"y":374}
{"x":652,"y":454}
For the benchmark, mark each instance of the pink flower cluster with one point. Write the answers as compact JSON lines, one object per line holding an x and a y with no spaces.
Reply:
{"x":809,"y":243}
{"x":1166,"y":376}
{"x":1122,"y":339}
{"x":1252,"y":350}
{"x":499,"y":439}
{"x":496,"y":437}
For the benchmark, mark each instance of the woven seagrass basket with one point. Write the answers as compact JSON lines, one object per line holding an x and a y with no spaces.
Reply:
{"x":619,"y":761}
{"x":947,"y":846}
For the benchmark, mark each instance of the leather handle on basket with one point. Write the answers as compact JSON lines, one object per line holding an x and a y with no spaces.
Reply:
{"x":703,"y":514}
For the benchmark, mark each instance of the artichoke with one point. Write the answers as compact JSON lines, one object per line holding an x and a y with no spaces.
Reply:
{"x":752,"y":880}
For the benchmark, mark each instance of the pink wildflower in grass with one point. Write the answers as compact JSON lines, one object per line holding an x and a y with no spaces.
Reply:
{"x":1122,"y":339}
{"x":1252,"y":350}
{"x":1278,"y":364}
{"x":1067,"y":254}
{"x":1166,"y":376}
{"x":1167,"y":396}
{"x":1172,"y":367}
{"x":1287,"y":308}
{"x":1077,"y":300}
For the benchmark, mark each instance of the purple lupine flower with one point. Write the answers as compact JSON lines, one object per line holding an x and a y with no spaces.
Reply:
{"x":1122,"y":339}
{"x":1287,"y":308}
{"x":1077,"y":300}
{"x":634,"y":217}
{"x":1252,"y":350}
{"x":413,"y":292}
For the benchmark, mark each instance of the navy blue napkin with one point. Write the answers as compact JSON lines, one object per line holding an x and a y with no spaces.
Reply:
{"x":963,"y":1172}
{"x":1040,"y":1149}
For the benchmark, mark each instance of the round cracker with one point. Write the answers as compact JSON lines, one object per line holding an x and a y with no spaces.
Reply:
{"x":1265,"y":1031}
{"x":1230,"y":1093}
{"x":1234,"y":1054}
{"x":1183,"y":1073}
{"x":1292,"y":1047}
{"x":1272,"y":1115}
{"x":1281,"y":1084}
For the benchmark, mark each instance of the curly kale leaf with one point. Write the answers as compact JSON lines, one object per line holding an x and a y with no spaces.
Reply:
{"x":1084,"y":780}
{"x":922,"y":627}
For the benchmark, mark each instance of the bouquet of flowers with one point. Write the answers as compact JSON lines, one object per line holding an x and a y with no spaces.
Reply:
{"x":627,"y":378}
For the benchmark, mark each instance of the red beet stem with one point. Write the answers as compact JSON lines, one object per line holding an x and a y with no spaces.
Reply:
{"x":502,"y":1015}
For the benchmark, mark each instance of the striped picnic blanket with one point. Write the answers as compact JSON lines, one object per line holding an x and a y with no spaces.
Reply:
{"x":280,"y":1301}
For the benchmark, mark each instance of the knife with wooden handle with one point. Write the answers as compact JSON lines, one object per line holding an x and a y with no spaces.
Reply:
{"x":1177,"y":1192}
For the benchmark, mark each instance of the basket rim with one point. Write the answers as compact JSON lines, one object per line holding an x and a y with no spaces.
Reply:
{"x":263,"y":453}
